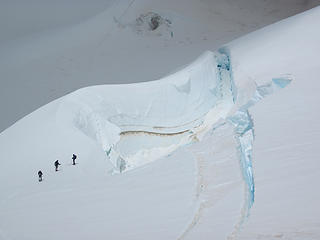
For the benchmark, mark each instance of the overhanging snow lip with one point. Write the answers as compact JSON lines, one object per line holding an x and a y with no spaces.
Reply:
{"x":199,"y":98}
{"x":162,"y":80}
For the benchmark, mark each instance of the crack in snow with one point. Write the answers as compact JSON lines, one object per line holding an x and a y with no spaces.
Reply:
{"x":242,"y":123}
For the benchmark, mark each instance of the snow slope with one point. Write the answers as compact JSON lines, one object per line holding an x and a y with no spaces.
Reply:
{"x":207,"y":181}
{"x":65,"y":45}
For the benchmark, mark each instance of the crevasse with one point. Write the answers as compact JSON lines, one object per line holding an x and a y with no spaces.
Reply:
{"x":244,"y":131}
{"x":243,"y":126}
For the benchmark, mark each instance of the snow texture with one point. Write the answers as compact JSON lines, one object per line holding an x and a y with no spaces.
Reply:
{"x":193,"y":155}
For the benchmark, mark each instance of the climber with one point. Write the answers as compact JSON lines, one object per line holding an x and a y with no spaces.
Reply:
{"x":40,"y":176}
{"x":74,"y":157}
{"x":56,"y":164}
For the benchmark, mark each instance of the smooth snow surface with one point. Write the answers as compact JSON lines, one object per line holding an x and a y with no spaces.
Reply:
{"x":224,"y":148}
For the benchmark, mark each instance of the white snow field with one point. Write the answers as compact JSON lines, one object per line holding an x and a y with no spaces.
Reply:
{"x":63,"y":45}
{"x":224,"y":148}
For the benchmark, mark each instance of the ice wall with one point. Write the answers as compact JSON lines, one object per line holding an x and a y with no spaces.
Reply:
{"x":139,"y":123}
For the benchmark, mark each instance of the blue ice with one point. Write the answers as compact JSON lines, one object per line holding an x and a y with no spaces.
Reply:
{"x":243,"y":126}
{"x":281,"y":82}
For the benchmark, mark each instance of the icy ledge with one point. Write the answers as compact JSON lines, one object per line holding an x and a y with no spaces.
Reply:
{"x":136,"y":124}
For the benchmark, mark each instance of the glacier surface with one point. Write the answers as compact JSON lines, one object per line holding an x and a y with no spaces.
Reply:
{"x":151,"y":120}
